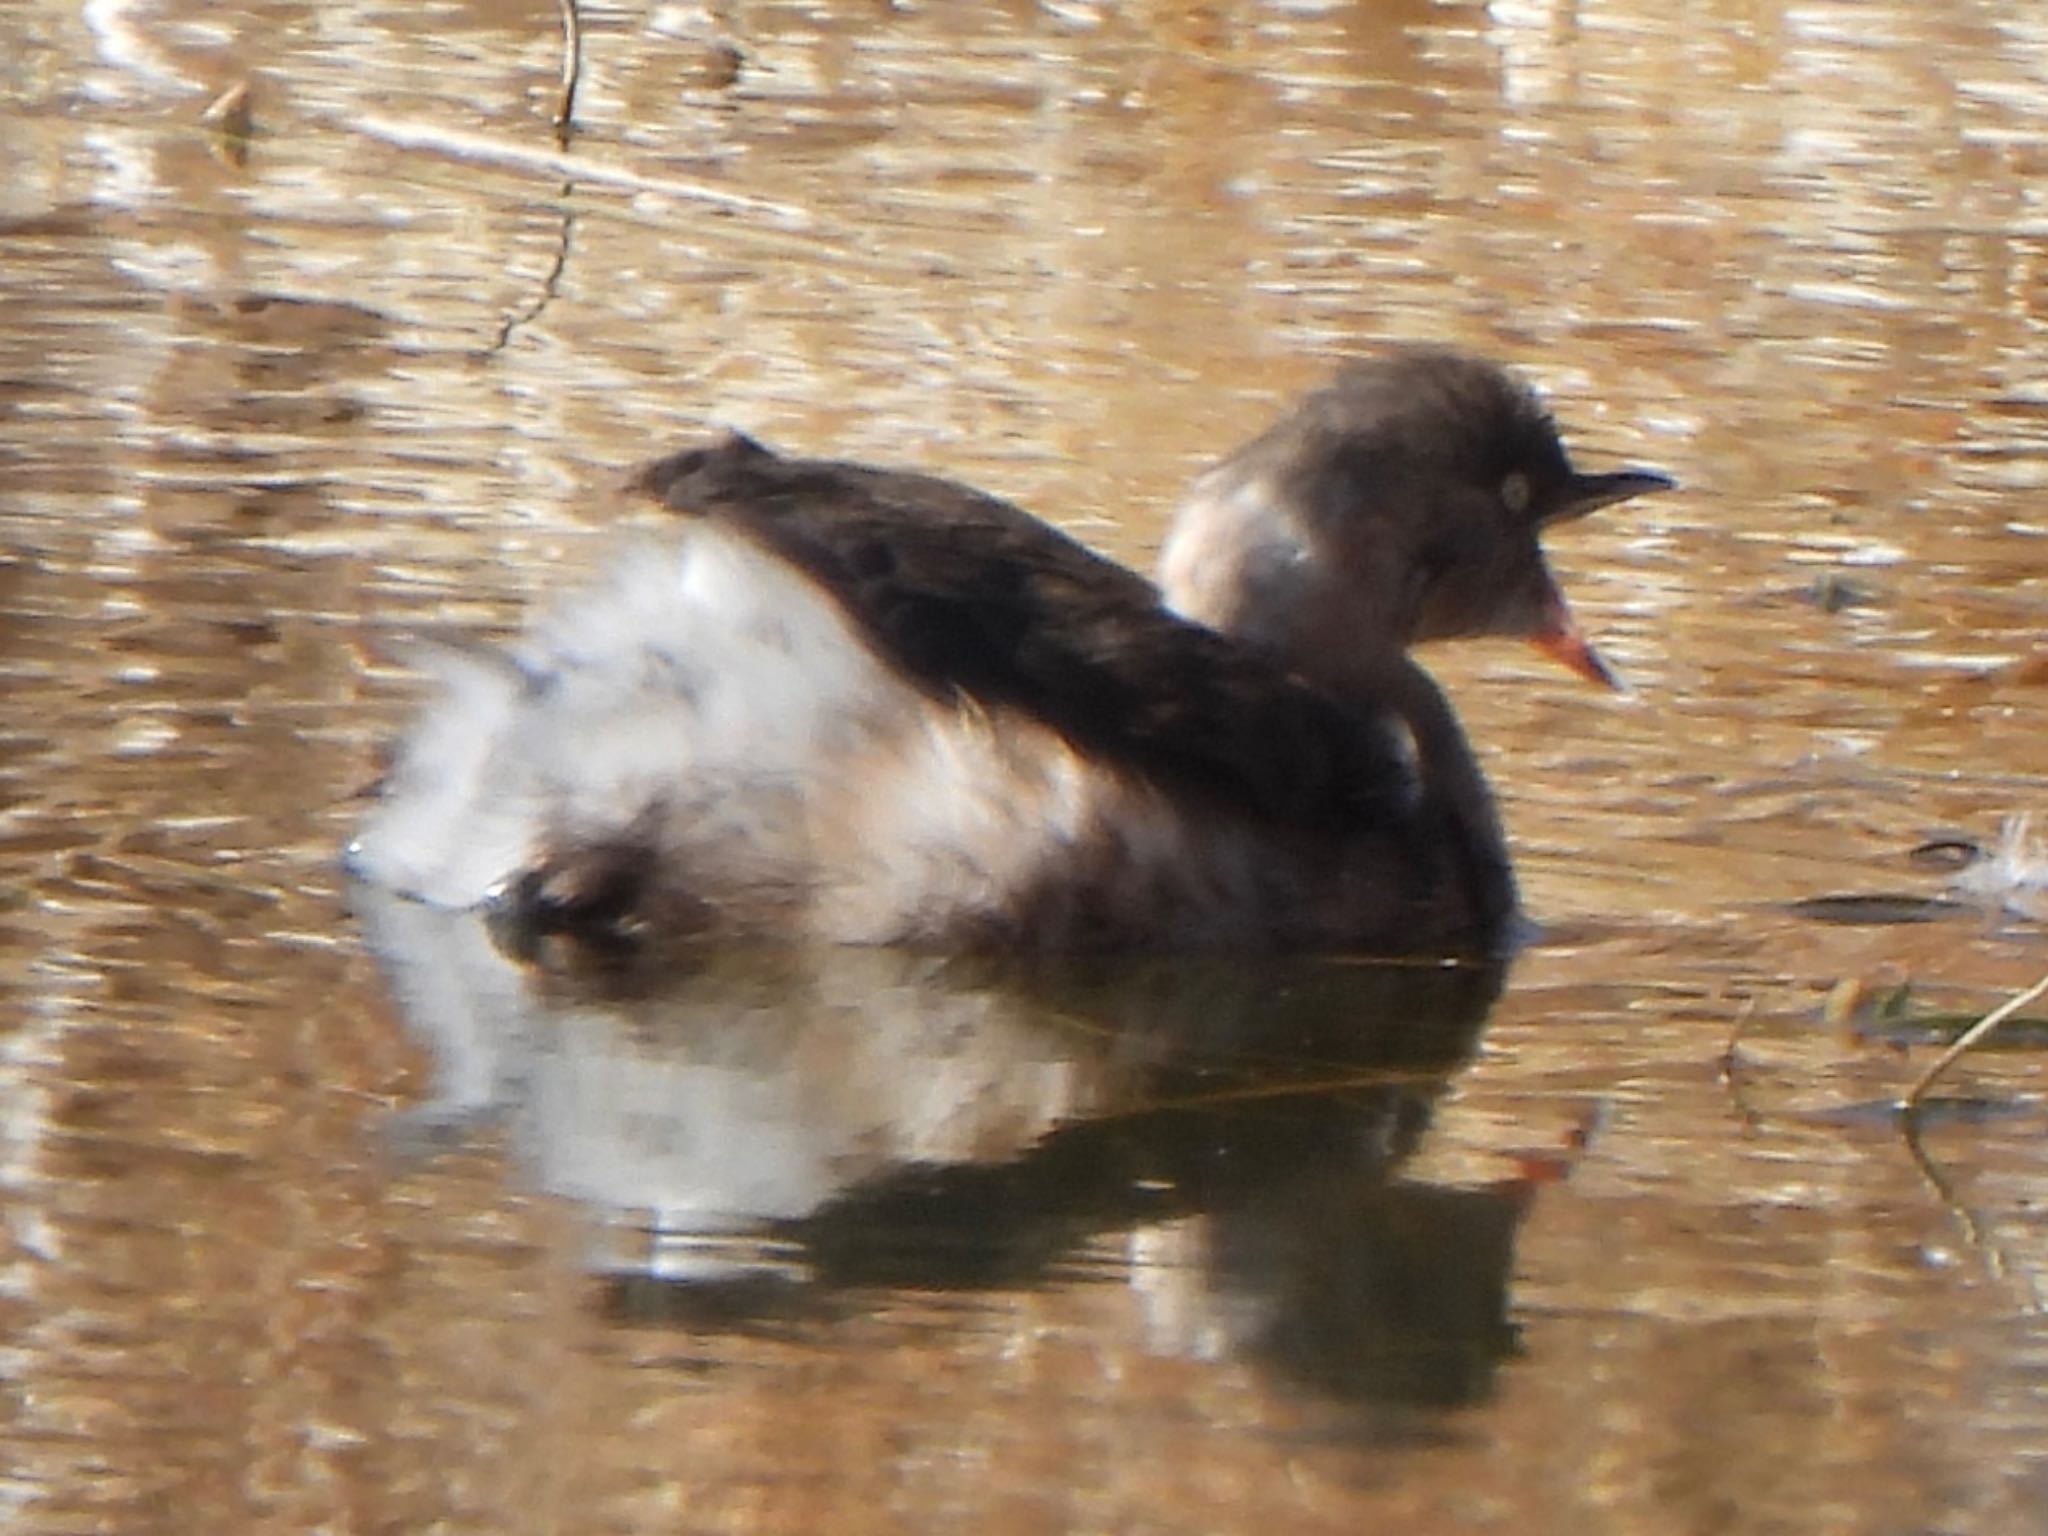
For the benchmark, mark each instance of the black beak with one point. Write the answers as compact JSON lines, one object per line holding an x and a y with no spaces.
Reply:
{"x":1589,"y":493}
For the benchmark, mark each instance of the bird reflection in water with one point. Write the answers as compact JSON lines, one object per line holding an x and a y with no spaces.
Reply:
{"x":782,"y":1138}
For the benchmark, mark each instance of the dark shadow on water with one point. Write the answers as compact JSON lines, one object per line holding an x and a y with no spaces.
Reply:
{"x":781,"y":1140}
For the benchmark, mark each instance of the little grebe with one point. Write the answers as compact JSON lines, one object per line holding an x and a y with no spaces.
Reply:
{"x":871,"y":706}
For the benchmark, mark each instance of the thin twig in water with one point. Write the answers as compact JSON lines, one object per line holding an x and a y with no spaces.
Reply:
{"x":565,"y":125}
{"x":1731,"y":1060}
{"x":572,"y":72}
{"x":1909,"y":1106}
{"x":549,"y":286}
{"x":1731,"y":1064}
{"x":1981,"y":1239}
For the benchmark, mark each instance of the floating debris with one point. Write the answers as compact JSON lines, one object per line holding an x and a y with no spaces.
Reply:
{"x":1832,"y":592}
{"x":1879,"y":909}
{"x":2012,"y":877}
{"x":231,"y":116}
{"x":1969,"y":1039}
{"x":719,"y":66}
{"x":1858,"y":1006}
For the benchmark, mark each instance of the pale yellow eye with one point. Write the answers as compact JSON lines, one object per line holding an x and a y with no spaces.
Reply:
{"x":1514,"y":493}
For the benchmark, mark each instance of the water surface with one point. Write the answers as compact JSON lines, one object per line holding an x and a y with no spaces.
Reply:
{"x":294,"y":1243}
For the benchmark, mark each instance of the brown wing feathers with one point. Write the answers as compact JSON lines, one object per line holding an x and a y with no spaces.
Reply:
{"x":962,"y":591}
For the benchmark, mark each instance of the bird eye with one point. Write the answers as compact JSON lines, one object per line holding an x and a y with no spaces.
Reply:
{"x":1514,"y":493}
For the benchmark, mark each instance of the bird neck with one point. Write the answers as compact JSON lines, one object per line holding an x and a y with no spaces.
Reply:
{"x":1455,"y":796}
{"x":1247,"y":561}
{"x":1286,"y":603}
{"x":1231,"y":564}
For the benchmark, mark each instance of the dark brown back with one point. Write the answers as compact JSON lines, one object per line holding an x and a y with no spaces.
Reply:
{"x":963,"y":593}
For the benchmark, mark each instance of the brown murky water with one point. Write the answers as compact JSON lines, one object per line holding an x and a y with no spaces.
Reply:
{"x":878,"y":1245}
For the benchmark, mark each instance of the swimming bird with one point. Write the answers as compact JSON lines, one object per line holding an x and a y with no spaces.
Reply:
{"x":832,"y":702}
